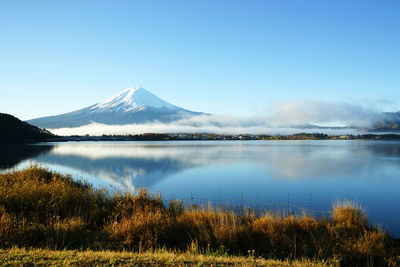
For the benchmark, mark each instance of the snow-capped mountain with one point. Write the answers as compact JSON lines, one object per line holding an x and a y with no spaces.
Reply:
{"x":133,"y":105}
{"x":132,"y":99}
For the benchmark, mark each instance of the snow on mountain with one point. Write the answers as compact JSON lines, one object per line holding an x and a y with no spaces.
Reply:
{"x":132,"y":99}
{"x":131,"y":106}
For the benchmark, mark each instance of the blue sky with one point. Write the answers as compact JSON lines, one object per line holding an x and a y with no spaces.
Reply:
{"x":219,"y":56}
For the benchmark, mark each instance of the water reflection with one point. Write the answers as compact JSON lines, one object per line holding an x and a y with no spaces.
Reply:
{"x":123,"y":173}
{"x":308,"y":173}
{"x":11,"y":155}
{"x":330,"y":159}
{"x":128,"y":165}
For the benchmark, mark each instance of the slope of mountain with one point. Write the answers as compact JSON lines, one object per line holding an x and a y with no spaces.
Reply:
{"x":387,"y":122}
{"x":133,"y":105}
{"x":13,"y":130}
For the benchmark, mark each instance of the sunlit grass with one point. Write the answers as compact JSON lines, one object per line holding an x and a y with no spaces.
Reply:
{"x":16,"y":256}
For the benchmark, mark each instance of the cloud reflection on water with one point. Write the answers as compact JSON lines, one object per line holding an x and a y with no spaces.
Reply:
{"x":131,"y":164}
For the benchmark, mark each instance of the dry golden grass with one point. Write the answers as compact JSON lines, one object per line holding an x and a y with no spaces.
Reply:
{"x":42,"y":209}
{"x":16,"y":256}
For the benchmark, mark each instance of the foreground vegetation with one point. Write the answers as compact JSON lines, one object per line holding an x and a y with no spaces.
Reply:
{"x":47,"y":257}
{"x":43,"y":209}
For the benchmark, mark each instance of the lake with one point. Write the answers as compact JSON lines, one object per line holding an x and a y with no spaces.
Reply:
{"x":279,"y":175}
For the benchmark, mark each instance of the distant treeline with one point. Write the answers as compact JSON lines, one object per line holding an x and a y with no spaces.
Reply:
{"x":207,"y":136}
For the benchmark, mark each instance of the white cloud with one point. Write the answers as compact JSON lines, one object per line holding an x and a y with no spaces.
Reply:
{"x":321,"y":113}
{"x":280,"y":118}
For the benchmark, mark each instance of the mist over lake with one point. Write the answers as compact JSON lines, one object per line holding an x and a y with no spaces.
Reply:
{"x":259,"y":174}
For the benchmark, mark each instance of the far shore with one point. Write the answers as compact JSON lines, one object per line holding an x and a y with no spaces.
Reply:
{"x":223,"y":137}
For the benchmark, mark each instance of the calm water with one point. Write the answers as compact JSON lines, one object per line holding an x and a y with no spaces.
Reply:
{"x":263,"y":174}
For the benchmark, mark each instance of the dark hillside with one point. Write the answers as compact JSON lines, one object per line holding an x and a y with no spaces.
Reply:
{"x":13,"y":130}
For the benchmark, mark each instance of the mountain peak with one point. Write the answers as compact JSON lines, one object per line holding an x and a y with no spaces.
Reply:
{"x":133,"y":105}
{"x":133,"y":89}
{"x":131,"y":99}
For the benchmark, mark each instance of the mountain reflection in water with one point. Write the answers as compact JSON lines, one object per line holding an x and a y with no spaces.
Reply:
{"x":307,"y":173}
{"x":146,"y":163}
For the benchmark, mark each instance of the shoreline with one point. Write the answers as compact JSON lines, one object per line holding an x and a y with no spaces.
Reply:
{"x":223,"y":137}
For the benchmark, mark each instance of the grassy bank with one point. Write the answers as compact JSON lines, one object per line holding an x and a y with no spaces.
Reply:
{"x":42,"y":209}
{"x":15,"y":256}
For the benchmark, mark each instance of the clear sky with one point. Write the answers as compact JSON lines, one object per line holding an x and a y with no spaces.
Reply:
{"x":217,"y":56}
